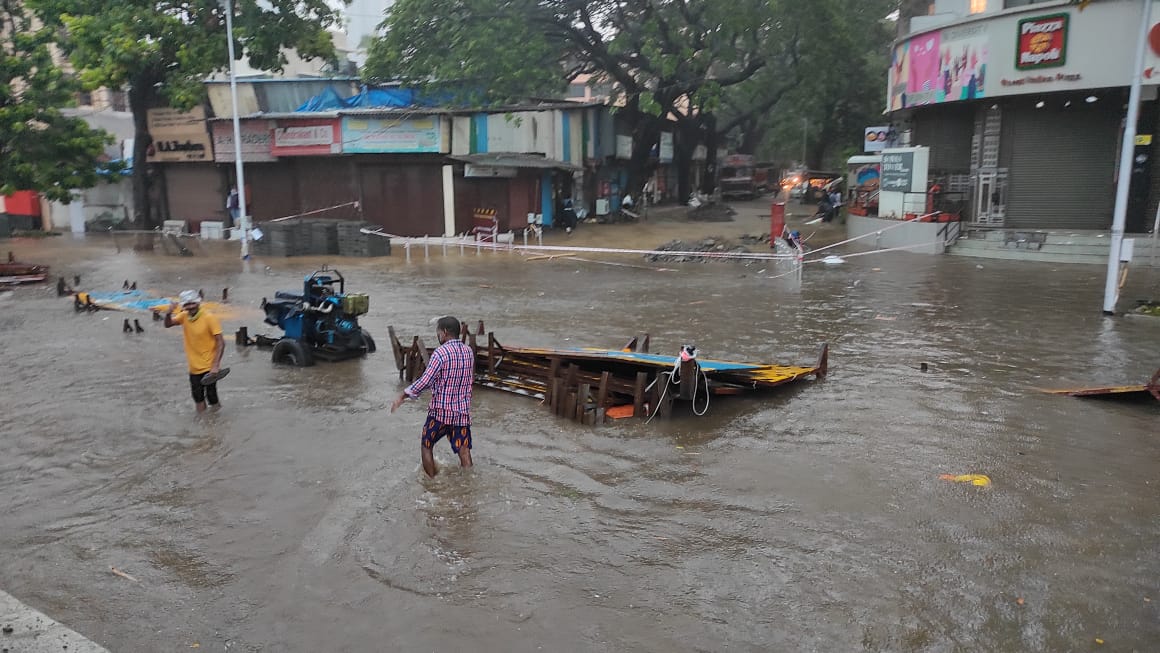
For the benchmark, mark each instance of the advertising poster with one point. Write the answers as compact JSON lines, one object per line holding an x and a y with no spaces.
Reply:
{"x":943,"y":66}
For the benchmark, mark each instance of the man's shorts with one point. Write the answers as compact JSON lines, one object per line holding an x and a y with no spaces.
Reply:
{"x":201,"y":392}
{"x":434,"y":431}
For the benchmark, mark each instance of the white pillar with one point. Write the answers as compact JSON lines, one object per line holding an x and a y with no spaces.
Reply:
{"x":1127,"y":151}
{"x":448,"y":201}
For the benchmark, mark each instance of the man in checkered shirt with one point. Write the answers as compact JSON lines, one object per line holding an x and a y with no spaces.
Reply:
{"x":449,"y":375}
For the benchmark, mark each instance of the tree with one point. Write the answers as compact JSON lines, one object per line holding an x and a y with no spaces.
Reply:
{"x":162,"y":50}
{"x":40,"y":148}
{"x":670,"y":59}
{"x":483,"y":51}
{"x":843,"y":91}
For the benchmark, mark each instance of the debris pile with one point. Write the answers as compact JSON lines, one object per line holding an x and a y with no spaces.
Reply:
{"x":714,"y":244}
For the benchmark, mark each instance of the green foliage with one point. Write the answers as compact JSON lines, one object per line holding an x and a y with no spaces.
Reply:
{"x":172,"y":45}
{"x":40,"y":148}
{"x":487,"y":51}
{"x":844,"y":60}
{"x":162,"y":50}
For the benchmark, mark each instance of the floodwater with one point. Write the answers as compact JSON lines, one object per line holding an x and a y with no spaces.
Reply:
{"x":297,"y":518}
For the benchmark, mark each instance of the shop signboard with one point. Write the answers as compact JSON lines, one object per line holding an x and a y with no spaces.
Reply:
{"x":623,"y":146}
{"x":307,"y":137}
{"x":875,"y":139}
{"x":897,"y":171}
{"x":257,"y":141}
{"x":178,"y":136}
{"x":392,"y":135}
{"x":1042,"y":42}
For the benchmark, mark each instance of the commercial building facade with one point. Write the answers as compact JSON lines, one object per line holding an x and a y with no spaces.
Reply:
{"x":1022,"y":105}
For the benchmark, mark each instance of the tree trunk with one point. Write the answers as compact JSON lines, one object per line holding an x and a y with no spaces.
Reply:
{"x":752,"y":131}
{"x":709,"y":131}
{"x":140,"y":98}
{"x":645,"y":134}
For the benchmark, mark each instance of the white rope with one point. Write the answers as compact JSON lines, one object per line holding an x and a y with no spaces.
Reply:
{"x":878,"y":251}
{"x":876,"y":232}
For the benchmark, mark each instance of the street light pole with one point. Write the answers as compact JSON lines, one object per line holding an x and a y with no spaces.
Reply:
{"x":243,"y":215}
{"x":1127,"y":153}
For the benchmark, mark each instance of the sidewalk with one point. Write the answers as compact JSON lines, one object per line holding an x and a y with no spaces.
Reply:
{"x":24,"y":630}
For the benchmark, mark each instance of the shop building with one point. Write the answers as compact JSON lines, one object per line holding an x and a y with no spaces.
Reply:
{"x":1022,"y":106}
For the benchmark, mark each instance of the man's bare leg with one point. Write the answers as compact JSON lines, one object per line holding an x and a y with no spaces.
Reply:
{"x":428,"y":462}
{"x":464,"y":457}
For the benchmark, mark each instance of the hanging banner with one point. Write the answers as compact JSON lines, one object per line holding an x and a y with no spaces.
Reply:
{"x":257,"y":140}
{"x":666,"y":148}
{"x":386,"y":135}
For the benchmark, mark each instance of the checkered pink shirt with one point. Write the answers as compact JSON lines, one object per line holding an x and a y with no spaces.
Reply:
{"x":449,"y":375}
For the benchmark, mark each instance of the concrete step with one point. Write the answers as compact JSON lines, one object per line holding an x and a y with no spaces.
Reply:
{"x":978,"y":245}
{"x":1030,"y":256}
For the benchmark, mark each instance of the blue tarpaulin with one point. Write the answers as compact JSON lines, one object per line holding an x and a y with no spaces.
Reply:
{"x":373,"y":98}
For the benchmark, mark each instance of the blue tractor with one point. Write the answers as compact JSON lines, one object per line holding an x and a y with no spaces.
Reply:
{"x":320,"y":322}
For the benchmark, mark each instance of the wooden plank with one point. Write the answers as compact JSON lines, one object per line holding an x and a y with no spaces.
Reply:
{"x":396,"y":348}
{"x":602,"y":390}
{"x":554,"y":403}
{"x":638,"y":394}
{"x":480,"y":331}
{"x":582,"y":401}
{"x":644,"y":343}
{"x":688,"y":378}
{"x":424,"y":355}
{"x":491,"y":353}
{"x":570,"y":406}
{"x":631,"y":346}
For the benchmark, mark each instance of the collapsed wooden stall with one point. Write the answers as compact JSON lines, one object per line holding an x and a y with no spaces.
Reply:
{"x":593,"y":385}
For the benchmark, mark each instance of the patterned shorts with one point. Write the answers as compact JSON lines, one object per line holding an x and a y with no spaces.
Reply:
{"x":434,"y":430}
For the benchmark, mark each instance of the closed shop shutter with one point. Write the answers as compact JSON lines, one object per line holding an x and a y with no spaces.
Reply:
{"x":195,"y":192}
{"x":1061,"y":164}
{"x":324,"y":184}
{"x":272,"y":190}
{"x":947,"y":130}
{"x":405,"y":199}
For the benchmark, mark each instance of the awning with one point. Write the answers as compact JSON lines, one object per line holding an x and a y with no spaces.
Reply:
{"x":515,"y":160}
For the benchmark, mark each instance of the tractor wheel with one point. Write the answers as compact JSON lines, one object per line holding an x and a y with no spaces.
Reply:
{"x":288,"y":351}
{"x":368,"y":342}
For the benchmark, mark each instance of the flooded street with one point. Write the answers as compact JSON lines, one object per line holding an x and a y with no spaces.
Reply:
{"x":813,"y":519}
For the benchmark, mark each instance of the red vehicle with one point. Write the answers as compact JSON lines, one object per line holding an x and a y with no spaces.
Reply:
{"x":737,"y":176}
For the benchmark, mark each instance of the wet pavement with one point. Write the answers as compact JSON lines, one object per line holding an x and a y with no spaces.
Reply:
{"x":297,"y":518}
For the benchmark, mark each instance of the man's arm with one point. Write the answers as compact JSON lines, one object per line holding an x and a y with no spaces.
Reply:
{"x":219,"y":348}
{"x":422,"y":383}
{"x":169,"y":321}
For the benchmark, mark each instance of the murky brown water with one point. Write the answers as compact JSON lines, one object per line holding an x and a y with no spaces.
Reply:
{"x":297,"y":520}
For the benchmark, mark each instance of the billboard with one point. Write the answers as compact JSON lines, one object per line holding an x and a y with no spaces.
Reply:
{"x":940,"y":66}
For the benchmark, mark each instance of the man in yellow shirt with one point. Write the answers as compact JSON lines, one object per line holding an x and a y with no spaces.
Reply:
{"x":204,"y":346}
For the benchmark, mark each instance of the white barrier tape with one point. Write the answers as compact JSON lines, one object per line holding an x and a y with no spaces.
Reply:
{"x":877,"y":251}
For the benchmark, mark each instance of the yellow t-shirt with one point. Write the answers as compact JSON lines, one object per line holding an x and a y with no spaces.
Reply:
{"x":200,"y":339}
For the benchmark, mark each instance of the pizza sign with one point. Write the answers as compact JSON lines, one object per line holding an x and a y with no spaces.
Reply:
{"x":1042,"y":42}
